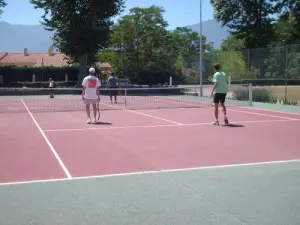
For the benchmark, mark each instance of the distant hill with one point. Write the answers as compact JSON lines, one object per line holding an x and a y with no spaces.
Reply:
{"x":213,"y":31}
{"x":14,"y":38}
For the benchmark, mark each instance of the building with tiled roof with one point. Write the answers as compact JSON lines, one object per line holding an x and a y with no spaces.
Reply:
{"x":34,"y":60}
{"x":27,"y":59}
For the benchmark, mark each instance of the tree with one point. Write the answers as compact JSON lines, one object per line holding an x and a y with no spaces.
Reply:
{"x":140,"y":40}
{"x":232,"y":43}
{"x":81,"y":27}
{"x":149,"y":53}
{"x":185,"y":46}
{"x":284,"y":51}
{"x":234,"y":65}
{"x":248,"y":19}
{"x":286,"y":8}
{"x":2,"y":5}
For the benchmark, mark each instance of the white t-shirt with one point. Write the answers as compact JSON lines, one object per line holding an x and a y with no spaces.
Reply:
{"x":51,"y":84}
{"x":91,"y":83}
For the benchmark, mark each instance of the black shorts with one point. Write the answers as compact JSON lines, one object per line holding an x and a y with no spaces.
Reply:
{"x":219,"y":98}
{"x":113,"y":92}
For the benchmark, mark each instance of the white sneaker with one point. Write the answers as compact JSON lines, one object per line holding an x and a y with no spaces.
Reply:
{"x":88,"y":121}
{"x":216,"y":123}
{"x":94,"y":120}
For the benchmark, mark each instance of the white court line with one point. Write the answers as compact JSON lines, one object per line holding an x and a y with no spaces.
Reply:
{"x":112,"y":128}
{"x":234,"y":110}
{"x":262,"y":114}
{"x":143,"y":114}
{"x":154,"y":172}
{"x":162,"y":125}
{"x":48,"y":142}
{"x":270,"y":110}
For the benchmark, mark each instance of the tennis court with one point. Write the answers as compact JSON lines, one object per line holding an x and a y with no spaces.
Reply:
{"x":154,"y":158}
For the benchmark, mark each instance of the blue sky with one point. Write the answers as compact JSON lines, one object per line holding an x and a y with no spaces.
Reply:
{"x":178,"y":12}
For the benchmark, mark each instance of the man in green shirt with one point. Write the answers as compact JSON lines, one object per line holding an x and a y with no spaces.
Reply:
{"x":220,"y":88}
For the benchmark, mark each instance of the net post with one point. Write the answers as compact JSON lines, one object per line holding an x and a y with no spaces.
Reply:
{"x":229,"y":81}
{"x":125,"y":97}
{"x":170,"y":81}
{"x":250,"y":94}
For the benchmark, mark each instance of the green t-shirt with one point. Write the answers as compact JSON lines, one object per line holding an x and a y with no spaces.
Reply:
{"x":221,"y":79}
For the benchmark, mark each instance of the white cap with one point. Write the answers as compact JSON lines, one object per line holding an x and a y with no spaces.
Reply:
{"x":92,"y":70}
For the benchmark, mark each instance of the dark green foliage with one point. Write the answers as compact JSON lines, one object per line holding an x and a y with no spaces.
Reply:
{"x":258,"y":95}
{"x":81,"y":27}
{"x":2,"y":5}
{"x":147,"y":53}
{"x":247,"y":19}
{"x":18,"y":76}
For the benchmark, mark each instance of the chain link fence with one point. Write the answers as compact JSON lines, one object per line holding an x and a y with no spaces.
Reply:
{"x":275,"y":69}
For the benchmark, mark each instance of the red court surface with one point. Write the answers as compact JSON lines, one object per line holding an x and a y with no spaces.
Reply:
{"x":41,"y":146}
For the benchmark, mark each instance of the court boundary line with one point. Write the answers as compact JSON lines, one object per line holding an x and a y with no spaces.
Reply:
{"x":159,"y":126}
{"x":59,"y":160}
{"x":188,"y":169}
{"x":234,"y":110}
{"x":271,"y":110}
{"x":143,"y":114}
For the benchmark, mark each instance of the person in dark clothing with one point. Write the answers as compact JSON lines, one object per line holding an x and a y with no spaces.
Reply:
{"x":113,"y":84}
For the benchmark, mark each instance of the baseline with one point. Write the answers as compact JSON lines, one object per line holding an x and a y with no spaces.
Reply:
{"x":155,"y":172}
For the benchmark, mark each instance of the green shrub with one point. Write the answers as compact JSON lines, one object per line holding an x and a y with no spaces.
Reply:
{"x":258,"y":95}
{"x":241,"y":94}
{"x":289,"y":102}
{"x":262,"y":95}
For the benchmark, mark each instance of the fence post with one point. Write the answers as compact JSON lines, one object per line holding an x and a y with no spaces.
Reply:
{"x":285,"y":74}
{"x":250,"y":94}
{"x":125,"y":97}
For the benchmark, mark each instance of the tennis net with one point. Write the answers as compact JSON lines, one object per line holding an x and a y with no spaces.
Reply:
{"x":16,"y":100}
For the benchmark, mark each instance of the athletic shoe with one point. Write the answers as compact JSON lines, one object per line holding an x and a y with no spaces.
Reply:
{"x":216,"y":123}
{"x":88,"y":121}
{"x":94,"y":120}
{"x":226,"y":121}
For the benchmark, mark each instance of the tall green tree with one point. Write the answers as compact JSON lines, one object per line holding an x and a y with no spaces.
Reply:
{"x":140,"y":38}
{"x":284,"y":50}
{"x":81,"y":27}
{"x":287,"y":27}
{"x":149,"y":53}
{"x":247,"y":19}
{"x":185,"y":48}
{"x":186,"y":43}
{"x":2,"y":5}
{"x":232,"y":43}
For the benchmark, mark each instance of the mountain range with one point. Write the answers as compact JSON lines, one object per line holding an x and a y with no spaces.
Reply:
{"x":14,"y":38}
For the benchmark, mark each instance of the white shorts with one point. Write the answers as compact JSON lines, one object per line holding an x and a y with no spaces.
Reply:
{"x":90,"y":101}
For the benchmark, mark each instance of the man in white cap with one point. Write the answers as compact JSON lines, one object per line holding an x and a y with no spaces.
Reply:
{"x":91,"y":93}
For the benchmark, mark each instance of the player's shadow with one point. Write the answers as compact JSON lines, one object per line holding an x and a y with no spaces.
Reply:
{"x":102,"y":123}
{"x":233,"y":125}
